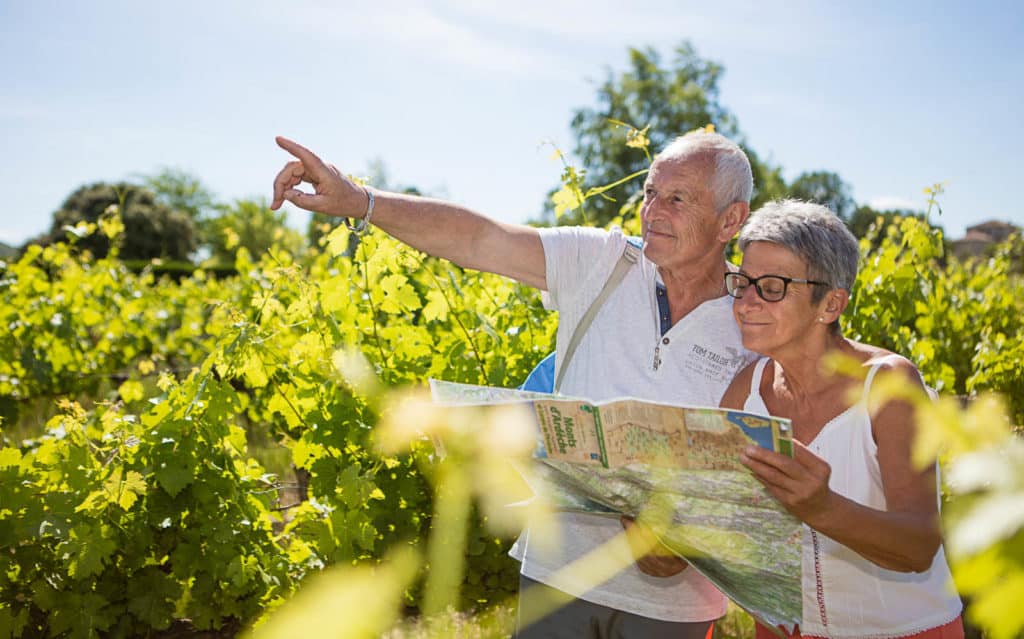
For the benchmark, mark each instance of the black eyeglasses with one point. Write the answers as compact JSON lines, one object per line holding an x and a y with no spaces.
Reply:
{"x":771,"y":288}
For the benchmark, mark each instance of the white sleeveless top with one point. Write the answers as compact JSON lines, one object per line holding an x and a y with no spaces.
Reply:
{"x":844,"y":594}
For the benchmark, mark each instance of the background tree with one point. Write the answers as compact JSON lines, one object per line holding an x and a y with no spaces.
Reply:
{"x":185,"y":192}
{"x":250,"y":224}
{"x":866,"y":221}
{"x":662,"y":102}
{"x":864,"y":217}
{"x":768,"y":181}
{"x":152,"y":229}
{"x":825,"y":188}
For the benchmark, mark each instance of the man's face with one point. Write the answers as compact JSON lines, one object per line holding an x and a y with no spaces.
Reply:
{"x":678,"y":213}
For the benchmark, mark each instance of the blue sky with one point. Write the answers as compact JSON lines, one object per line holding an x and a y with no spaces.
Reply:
{"x":458,"y":97}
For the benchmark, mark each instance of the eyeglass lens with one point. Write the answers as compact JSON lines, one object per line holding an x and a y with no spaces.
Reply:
{"x":769,"y":287}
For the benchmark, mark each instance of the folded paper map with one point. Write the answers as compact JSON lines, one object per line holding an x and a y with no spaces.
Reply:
{"x":623,"y":456}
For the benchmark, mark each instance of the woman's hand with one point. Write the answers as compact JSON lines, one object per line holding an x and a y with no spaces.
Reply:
{"x":652,"y":558}
{"x":800,"y":483}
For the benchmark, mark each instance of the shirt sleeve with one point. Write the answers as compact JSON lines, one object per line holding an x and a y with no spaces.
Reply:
{"x":575,"y":258}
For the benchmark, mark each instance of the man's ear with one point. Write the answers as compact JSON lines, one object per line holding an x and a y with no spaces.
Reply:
{"x":731,"y":220}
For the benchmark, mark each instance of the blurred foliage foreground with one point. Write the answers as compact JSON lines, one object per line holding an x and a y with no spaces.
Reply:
{"x":138,"y":415}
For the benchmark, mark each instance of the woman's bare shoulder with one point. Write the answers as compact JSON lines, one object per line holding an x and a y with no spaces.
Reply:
{"x":736,"y":395}
{"x":870,"y":356}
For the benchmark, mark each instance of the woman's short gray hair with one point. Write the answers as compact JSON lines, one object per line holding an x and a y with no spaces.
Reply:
{"x":732,"y":180}
{"x":814,"y":233}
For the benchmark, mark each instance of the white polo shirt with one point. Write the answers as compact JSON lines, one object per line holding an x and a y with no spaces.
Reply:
{"x":698,"y":357}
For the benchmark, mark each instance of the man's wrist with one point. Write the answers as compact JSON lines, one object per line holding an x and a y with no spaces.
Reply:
{"x":363,"y":224}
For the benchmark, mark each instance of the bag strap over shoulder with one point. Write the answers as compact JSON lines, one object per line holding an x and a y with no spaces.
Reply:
{"x":630,"y":256}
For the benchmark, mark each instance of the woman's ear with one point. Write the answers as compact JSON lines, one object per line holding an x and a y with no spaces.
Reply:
{"x":834,"y":304}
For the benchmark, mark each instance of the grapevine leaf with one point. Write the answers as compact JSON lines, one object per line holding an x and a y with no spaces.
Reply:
{"x":436,"y":307}
{"x":337,"y":241}
{"x":12,"y":624}
{"x":279,"y":404}
{"x":131,"y":391}
{"x":565,"y":199}
{"x":89,"y":548}
{"x":398,"y":294}
{"x":305,"y":453}
{"x":333,"y":297}
{"x":253,"y":371}
{"x":173,"y":475}
{"x":9,"y":457}
{"x":151,"y":597}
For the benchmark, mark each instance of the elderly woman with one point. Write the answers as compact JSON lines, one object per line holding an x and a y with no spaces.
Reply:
{"x":873,"y":564}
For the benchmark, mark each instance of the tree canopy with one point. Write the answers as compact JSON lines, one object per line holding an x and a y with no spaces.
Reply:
{"x":252,"y":225}
{"x":825,"y":188}
{"x":659,"y":102}
{"x":183,"y":192}
{"x":152,"y":229}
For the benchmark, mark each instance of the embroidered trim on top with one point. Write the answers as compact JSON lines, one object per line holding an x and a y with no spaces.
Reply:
{"x":817,"y":580}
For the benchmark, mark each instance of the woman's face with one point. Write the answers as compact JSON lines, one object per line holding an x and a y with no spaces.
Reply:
{"x":773,"y":327}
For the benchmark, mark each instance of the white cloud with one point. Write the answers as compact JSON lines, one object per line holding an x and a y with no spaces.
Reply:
{"x":890,"y":202}
{"x":589,"y":19}
{"x":728,"y":24}
{"x":488,"y":34}
{"x":414,"y":26}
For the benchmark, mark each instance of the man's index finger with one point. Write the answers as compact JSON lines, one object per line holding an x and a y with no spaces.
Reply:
{"x":307,"y":157}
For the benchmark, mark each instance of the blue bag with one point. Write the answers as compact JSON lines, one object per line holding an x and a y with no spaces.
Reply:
{"x":542,"y":378}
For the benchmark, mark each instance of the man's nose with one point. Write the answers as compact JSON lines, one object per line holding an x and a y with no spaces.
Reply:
{"x":649,"y":207}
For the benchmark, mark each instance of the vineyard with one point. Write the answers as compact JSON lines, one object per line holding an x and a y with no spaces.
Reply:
{"x":180,"y":455}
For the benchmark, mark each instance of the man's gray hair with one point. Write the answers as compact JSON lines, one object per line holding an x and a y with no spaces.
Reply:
{"x":814,"y":233}
{"x":732,"y":180}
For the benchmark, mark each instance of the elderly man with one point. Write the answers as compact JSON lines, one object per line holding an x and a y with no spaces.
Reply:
{"x":664,"y":334}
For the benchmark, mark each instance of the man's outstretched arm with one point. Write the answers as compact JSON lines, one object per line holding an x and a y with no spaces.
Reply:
{"x":433,"y":226}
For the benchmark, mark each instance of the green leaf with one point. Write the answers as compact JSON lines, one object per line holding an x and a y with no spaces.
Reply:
{"x":9,"y":457}
{"x":337,"y":241}
{"x":253,"y":370}
{"x":151,"y":597}
{"x":567,"y":198}
{"x":399,"y":296}
{"x":124,"y":493}
{"x":131,"y":391}
{"x":279,"y":404}
{"x":333,"y":297}
{"x":81,"y":615}
{"x":173,"y":475}
{"x":436,"y":308}
{"x":12,"y":624}
{"x":305,"y":453}
{"x":90,"y":548}
{"x":998,"y":608}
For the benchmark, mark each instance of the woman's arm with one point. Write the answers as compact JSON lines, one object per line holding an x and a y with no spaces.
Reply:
{"x":906,"y":535}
